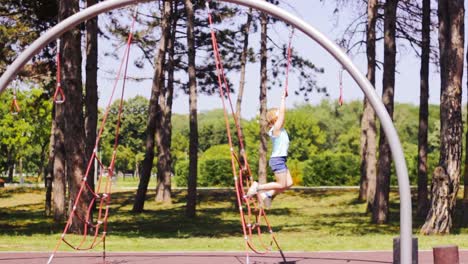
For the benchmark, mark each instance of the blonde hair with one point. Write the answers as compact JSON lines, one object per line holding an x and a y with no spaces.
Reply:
{"x":272,"y":116}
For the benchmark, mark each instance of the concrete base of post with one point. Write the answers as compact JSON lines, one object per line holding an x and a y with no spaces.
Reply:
{"x":397,"y":250}
{"x":446,"y":255}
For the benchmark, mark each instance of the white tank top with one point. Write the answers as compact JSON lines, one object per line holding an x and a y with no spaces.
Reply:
{"x":280,"y":143}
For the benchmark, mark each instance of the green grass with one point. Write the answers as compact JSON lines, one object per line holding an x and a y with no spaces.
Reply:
{"x":310,"y":220}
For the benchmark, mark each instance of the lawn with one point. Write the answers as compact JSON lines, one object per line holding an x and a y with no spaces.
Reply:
{"x":303,"y":220}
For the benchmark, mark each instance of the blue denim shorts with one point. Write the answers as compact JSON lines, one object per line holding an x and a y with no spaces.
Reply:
{"x":278,"y":164}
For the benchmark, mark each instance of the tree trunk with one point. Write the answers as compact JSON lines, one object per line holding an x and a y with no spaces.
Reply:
{"x":243,"y":61}
{"x":147,"y":164}
{"x":368,"y":126}
{"x":423,"y":201}
{"x":10,"y":165}
{"x":42,"y":168}
{"x":58,"y":171}
{"x":20,"y":171}
{"x":262,"y":151}
{"x":74,"y":137}
{"x":163,"y":134}
{"x":439,"y":216}
{"x":49,"y":169}
{"x":91,"y":95}
{"x":451,"y":47}
{"x":380,"y":210}
{"x":465,"y":174}
{"x":59,"y":184}
{"x":190,"y":210}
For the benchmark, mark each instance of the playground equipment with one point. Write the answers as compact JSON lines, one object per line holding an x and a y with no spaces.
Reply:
{"x":59,"y":96}
{"x":310,"y":31}
{"x":101,"y":195}
{"x":254,"y":214}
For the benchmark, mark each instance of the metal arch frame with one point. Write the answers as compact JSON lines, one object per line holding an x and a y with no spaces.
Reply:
{"x":321,"y":39}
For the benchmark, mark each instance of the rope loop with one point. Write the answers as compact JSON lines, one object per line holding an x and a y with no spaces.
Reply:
{"x":14,"y":106}
{"x":59,"y":95}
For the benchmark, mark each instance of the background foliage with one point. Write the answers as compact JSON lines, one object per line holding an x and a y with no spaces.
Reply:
{"x":324,"y":147}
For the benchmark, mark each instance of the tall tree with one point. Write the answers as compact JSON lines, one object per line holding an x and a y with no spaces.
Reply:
{"x":190,"y":210}
{"x":158,"y":82}
{"x":465,"y":174}
{"x":245,"y":28}
{"x":380,"y":210}
{"x":368,"y":150}
{"x":163,"y":133}
{"x":423,"y":202}
{"x":243,"y":61}
{"x":74,"y":136}
{"x":48,"y":171}
{"x":91,"y":93}
{"x":262,"y":151}
{"x":58,"y":171}
{"x":445,"y":184}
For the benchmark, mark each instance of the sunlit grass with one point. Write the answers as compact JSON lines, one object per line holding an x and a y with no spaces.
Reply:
{"x":303,"y":220}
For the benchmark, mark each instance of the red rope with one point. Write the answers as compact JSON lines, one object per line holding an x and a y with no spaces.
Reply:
{"x":14,"y":107}
{"x":220,"y":70}
{"x":219,"y":74}
{"x":103,"y":210}
{"x":288,"y":62}
{"x":340,"y":100}
{"x":59,"y":96}
{"x":224,"y":91}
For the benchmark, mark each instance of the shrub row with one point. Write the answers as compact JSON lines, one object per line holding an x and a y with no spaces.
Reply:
{"x":324,"y":169}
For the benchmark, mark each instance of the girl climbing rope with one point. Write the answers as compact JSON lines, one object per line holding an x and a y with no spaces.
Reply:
{"x":279,"y":137}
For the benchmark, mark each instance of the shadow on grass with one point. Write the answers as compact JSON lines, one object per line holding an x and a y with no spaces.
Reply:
{"x":333,"y":212}
{"x":27,"y":221}
{"x":11,"y":192}
{"x":5,"y":195}
{"x":216,"y":217}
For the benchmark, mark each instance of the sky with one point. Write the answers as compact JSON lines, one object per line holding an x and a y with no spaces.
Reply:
{"x":319,"y":15}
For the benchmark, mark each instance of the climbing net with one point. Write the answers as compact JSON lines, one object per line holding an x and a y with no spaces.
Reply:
{"x":254,"y":220}
{"x":94,"y":232}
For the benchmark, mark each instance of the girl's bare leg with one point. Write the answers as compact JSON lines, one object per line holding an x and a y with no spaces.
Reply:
{"x":283,"y":181}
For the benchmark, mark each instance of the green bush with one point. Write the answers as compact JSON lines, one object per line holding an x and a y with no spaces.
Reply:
{"x":215,"y":167}
{"x":296,"y":169}
{"x":331,"y":169}
{"x":181,"y":173}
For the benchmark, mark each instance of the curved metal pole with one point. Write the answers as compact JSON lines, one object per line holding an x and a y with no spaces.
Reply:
{"x":332,"y":48}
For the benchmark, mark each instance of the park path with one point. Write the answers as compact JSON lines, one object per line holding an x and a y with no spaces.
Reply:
{"x":349,"y":257}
